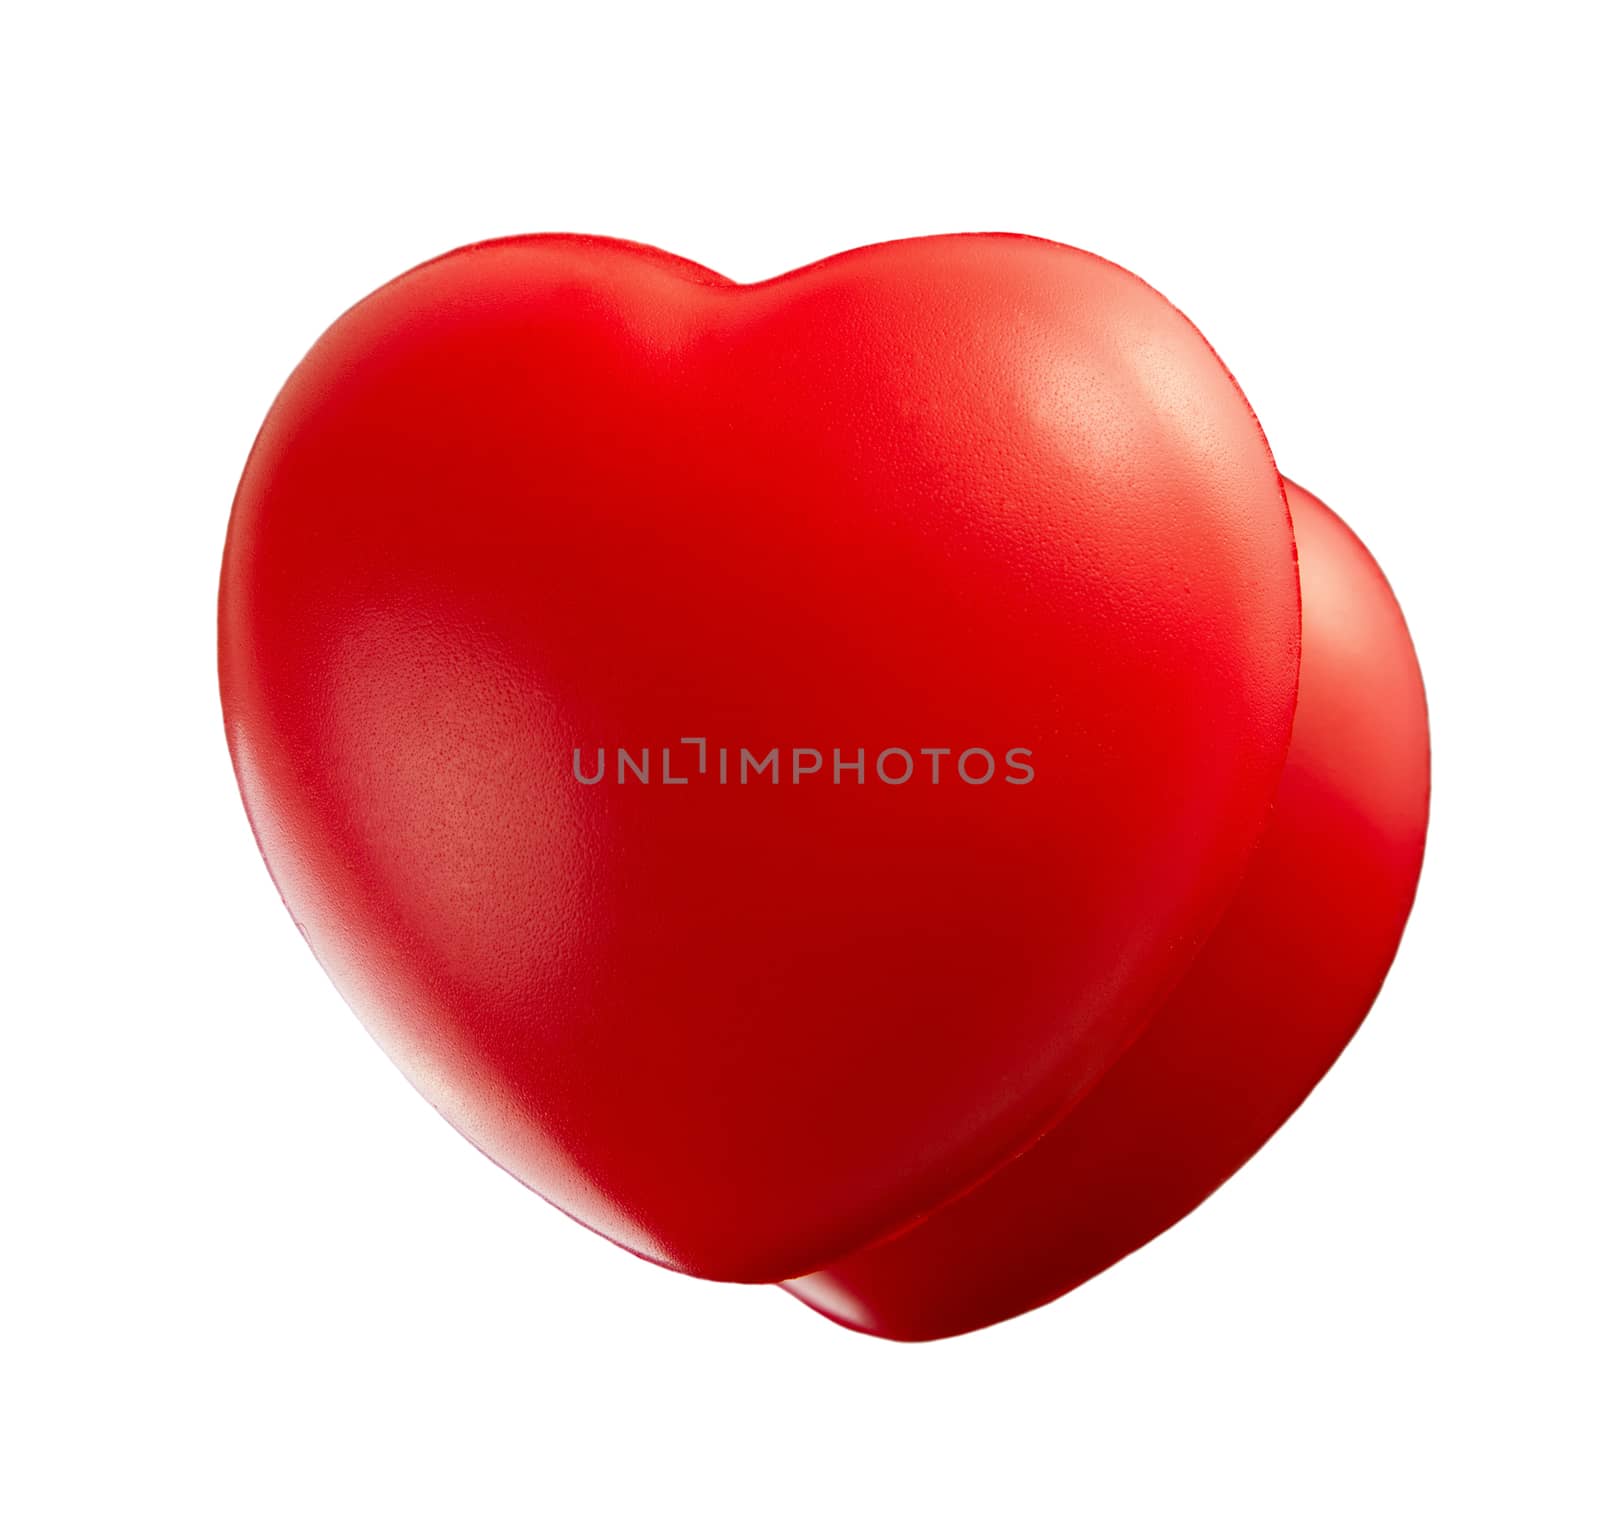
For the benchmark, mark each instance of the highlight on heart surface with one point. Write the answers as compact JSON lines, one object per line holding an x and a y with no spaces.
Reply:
{"x":867,"y":781}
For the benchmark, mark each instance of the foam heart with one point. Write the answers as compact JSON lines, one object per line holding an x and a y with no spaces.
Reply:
{"x":1269,"y":1004}
{"x":753,"y":754}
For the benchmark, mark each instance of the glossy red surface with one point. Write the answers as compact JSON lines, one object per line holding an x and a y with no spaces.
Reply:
{"x":1269,"y":1004}
{"x":555,"y":494}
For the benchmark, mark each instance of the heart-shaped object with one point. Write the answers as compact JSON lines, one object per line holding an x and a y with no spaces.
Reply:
{"x":1266,"y":1008}
{"x":754,"y":755}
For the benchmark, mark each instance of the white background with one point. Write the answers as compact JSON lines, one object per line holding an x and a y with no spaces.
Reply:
{"x":248,"y":1274}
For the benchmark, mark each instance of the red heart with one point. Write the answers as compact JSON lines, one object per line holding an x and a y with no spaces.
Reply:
{"x":1269,"y":1004}
{"x":973,"y":495}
